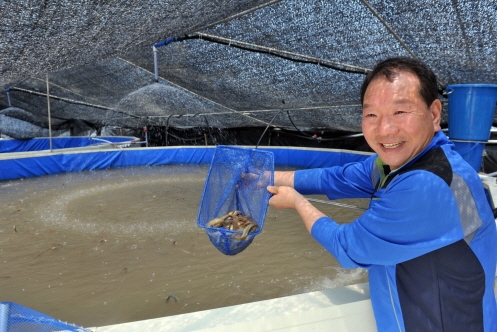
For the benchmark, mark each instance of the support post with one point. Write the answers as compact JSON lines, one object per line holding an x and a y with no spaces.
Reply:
{"x":8,"y":96}
{"x":156,"y":65}
{"x":49,"y":117}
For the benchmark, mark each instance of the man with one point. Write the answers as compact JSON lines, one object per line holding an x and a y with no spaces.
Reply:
{"x":428,"y":238}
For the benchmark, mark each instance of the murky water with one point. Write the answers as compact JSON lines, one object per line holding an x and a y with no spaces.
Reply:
{"x":107,"y":247}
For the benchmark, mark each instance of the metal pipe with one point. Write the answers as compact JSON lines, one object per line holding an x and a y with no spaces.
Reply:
{"x":156,"y":66}
{"x":8,"y":96}
{"x":146,"y":136}
{"x":49,"y":117}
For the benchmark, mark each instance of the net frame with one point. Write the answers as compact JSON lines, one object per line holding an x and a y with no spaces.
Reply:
{"x":236,"y":180}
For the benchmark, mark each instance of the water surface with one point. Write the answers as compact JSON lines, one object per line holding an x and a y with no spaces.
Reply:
{"x":106,"y":247}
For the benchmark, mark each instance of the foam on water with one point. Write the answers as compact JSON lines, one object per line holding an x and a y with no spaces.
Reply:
{"x":61,"y":211}
{"x":342,"y":278}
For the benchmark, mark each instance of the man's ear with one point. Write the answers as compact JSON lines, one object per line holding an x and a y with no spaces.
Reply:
{"x":436,"y":112}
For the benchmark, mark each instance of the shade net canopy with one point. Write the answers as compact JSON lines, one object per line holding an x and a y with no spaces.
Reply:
{"x":291,"y":65}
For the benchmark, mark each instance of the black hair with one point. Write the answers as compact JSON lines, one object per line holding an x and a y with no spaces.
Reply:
{"x":390,"y":68}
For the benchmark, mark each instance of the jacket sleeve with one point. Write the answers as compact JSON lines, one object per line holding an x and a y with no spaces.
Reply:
{"x":352,"y":180}
{"x":415,"y":215}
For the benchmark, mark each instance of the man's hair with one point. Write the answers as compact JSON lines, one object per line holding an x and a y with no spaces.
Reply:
{"x":390,"y":68}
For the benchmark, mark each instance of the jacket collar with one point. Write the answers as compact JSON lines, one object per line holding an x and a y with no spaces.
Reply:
{"x":438,"y":139}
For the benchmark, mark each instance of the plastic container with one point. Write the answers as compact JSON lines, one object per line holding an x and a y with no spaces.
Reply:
{"x":471,"y":114}
{"x":471,"y":111}
{"x":472,"y":152}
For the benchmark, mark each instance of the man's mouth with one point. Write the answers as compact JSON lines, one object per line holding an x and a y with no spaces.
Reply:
{"x":391,"y":145}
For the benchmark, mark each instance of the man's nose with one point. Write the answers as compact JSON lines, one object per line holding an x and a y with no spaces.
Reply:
{"x":386,"y":126}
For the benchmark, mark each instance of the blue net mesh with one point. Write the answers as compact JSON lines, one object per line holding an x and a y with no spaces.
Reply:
{"x":17,"y":318}
{"x":236,"y":181}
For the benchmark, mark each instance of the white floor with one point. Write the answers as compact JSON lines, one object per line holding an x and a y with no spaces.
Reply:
{"x":340,"y":309}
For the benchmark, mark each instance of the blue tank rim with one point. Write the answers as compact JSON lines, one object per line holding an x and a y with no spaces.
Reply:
{"x":470,"y":85}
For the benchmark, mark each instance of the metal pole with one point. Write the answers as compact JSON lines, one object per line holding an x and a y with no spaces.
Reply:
{"x":156,"y":65}
{"x":146,"y":136}
{"x":49,"y":117}
{"x":8,"y":96}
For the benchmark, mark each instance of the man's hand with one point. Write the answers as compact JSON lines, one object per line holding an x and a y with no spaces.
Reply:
{"x":256,"y":181}
{"x":288,"y":198}
{"x":283,"y":197}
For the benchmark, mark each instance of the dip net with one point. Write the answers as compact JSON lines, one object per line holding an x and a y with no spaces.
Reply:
{"x":235,"y":199}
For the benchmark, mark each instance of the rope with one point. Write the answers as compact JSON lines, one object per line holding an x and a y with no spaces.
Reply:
{"x":387,"y":26}
{"x":336,"y":204}
{"x":395,"y":35}
{"x":62,"y":98}
{"x":248,"y":11}
{"x":285,"y":54}
{"x":260,"y":138}
{"x":199,"y":96}
{"x":294,"y":126}
{"x":73,"y":101}
{"x":321,"y":139}
{"x":462,"y":26}
{"x":245,"y":113}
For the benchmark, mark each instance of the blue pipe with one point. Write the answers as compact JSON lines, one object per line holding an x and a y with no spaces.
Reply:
{"x":167,"y":41}
{"x":156,"y":45}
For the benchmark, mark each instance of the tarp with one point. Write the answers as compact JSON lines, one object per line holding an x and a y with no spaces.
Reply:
{"x":39,"y":144}
{"x":46,"y":163}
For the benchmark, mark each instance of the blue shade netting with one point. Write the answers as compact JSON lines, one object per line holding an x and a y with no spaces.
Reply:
{"x":236,"y":181}
{"x":17,"y":318}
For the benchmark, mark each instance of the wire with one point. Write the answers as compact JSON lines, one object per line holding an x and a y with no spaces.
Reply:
{"x":248,"y":11}
{"x":321,"y":138}
{"x":72,"y":101}
{"x":394,"y":34}
{"x":294,"y":126}
{"x":260,"y":138}
{"x":336,"y":204}
{"x":186,"y":139}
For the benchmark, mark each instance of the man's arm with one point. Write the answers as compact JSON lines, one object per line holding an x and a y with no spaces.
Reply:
{"x":285,"y":197}
{"x":284,"y":178}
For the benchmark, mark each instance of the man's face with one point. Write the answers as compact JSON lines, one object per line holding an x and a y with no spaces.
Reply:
{"x":397,"y":123}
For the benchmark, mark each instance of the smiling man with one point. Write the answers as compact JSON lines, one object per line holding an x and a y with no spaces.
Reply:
{"x":428,"y":238}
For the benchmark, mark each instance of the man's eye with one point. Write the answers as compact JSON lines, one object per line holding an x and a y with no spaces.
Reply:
{"x":369,"y":115}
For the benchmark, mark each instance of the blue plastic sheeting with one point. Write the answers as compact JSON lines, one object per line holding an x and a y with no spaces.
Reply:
{"x":39,"y":144}
{"x":60,"y":162}
{"x":15,"y":317}
{"x":311,"y":158}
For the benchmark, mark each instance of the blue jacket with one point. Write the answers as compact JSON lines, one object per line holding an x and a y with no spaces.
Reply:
{"x":428,"y":239}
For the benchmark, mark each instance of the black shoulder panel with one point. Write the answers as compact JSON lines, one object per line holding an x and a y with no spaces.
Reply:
{"x":434,"y":161}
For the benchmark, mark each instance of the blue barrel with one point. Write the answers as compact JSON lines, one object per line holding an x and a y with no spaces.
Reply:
{"x":471,"y":114}
{"x":471,"y":111}
{"x":472,"y":152}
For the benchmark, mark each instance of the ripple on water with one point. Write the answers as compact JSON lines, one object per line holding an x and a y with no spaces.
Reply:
{"x":128,"y":207}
